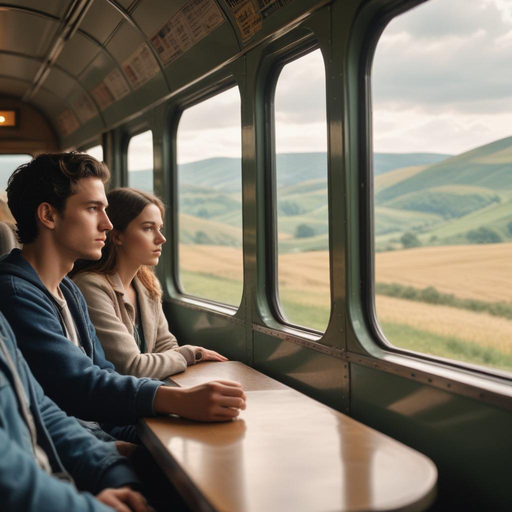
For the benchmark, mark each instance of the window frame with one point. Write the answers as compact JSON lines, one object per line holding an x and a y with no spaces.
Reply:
{"x":199,"y":94}
{"x":286,"y":54}
{"x":369,"y":45}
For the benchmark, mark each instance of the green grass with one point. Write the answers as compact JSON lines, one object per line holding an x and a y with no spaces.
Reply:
{"x":229,"y":291}
{"x":208,"y":286}
{"x":404,"y":336}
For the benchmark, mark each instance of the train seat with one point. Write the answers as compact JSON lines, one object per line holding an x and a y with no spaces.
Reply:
{"x":8,"y":239}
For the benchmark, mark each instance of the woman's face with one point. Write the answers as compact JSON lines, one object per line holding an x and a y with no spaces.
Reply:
{"x":141,"y":242}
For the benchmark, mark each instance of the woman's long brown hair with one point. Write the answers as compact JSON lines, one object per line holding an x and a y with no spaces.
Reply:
{"x":124,"y":205}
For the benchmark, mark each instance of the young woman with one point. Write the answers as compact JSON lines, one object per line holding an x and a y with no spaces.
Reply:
{"x":124,"y":296}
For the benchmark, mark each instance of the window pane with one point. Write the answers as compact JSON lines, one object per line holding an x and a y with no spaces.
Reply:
{"x":442,"y":99}
{"x":210,"y":199}
{"x":96,"y":152}
{"x":8,"y":164}
{"x":301,"y":189}
{"x":140,"y":162}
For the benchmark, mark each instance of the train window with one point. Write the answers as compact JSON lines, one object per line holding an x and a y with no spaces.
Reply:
{"x":96,"y":152}
{"x":140,"y":162}
{"x":8,"y":163}
{"x":442,"y":112}
{"x":300,"y":129}
{"x":210,"y":199}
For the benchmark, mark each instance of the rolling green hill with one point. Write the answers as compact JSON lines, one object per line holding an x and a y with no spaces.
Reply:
{"x":441,"y":199}
{"x":385,"y":162}
{"x":484,"y":167}
{"x":468,"y":193}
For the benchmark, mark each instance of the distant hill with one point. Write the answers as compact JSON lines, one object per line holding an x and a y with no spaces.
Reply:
{"x":292,"y":168}
{"x":385,"y":162}
{"x":488,"y":167}
{"x":442,"y":199}
{"x":470,"y":194}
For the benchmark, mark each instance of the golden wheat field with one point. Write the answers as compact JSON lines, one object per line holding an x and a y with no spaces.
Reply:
{"x":482,"y":272}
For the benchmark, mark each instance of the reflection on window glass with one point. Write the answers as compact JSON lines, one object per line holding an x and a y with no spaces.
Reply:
{"x":210,"y":199}
{"x":8,"y":164}
{"x":140,"y":162}
{"x":96,"y":152}
{"x":301,"y":190}
{"x":442,"y":100}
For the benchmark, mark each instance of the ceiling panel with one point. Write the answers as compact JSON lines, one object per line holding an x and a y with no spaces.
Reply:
{"x":124,"y":43}
{"x":77,"y":54}
{"x":60,"y":83}
{"x":18,"y":67}
{"x":99,"y":68}
{"x":150,"y":15}
{"x":53,"y":7}
{"x":51,"y":105}
{"x":12,"y":87}
{"x":34,"y":39}
{"x":126,"y":3}
{"x":101,"y":20}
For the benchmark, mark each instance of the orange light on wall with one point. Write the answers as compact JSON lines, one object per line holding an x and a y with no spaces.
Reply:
{"x":7,"y":118}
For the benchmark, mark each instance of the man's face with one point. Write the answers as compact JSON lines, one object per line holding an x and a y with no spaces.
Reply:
{"x":81,"y":229}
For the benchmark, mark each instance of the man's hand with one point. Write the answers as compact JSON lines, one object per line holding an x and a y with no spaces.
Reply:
{"x":125,"y":448}
{"x":219,"y":400}
{"x":124,"y":499}
{"x":210,"y":355}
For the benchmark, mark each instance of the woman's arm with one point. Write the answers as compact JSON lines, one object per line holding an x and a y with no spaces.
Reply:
{"x":165,"y":340}
{"x":118,"y":343}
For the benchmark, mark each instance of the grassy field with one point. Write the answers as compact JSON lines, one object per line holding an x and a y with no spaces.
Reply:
{"x":482,"y":272}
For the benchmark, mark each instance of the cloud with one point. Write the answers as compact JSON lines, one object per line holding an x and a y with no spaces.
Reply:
{"x":210,"y":142}
{"x":458,"y":60}
{"x":211,"y":128}
{"x":445,"y":60}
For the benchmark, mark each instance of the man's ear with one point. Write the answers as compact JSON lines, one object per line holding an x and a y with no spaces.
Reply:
{"x":46,"y":214}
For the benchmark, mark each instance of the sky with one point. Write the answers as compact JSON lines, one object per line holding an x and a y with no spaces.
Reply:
{"x":441,"y":83}
{"x":442,"y":77}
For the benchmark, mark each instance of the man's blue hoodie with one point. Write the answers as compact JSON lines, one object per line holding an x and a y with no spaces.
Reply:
{"x":71,"y":450}
{"x":79,"y":379}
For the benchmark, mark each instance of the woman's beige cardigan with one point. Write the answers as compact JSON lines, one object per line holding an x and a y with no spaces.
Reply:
{"x":113,"y":317}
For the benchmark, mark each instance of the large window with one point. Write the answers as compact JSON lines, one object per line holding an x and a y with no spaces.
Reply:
{"x":140,"y":162}
{"x":301,"y":193}
{"x":442,"y":133}
{"x":210,"y":199}
{"x":8,"y":164}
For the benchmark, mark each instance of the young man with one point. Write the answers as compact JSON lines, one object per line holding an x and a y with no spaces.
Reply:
{"x":58,"y":202}
{"x":45,"y":453}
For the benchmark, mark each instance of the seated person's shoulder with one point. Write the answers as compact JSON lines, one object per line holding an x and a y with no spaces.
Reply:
{"x":91,"y":282}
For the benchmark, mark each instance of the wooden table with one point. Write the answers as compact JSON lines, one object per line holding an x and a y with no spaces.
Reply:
{"x":286,"y":452}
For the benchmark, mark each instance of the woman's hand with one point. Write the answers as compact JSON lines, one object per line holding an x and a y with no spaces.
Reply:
{"x":124,"y":499}
{"x":210,"y":355}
